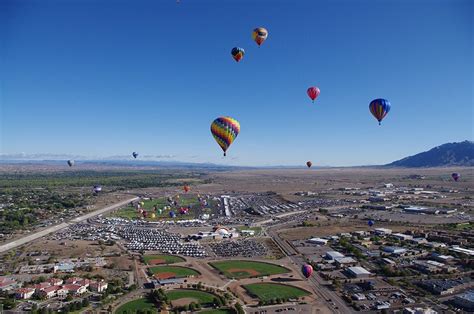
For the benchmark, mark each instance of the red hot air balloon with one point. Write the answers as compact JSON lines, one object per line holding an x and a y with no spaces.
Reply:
{"x":309,"y":164}
{"x":186,"y":188}
{"x":313,"y":92}
{"x":307,"y":270}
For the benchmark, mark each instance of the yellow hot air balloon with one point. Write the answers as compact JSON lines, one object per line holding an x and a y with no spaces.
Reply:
{"x":225,"y":130}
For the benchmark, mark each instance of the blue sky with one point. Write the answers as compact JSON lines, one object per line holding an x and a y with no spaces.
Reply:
{"x":102,"y":78}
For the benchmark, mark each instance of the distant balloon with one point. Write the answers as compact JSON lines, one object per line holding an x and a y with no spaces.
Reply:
{"x":456,"y":176}
{"x":142,"y":203}
{"x":237,"y":53}
{"x":135,"y":155}
{"x":97,"y":188}
{"x":307,"y":270}
{"x":153,"y":215}
{"x":370,"y":223}
{"x":159,"y":211}
{"x":225,"y":130}
{"x":313,"y":92}
{"x":186,"y":188}
{"x":259,"y":35}
{"x":379,"y":108}
{"x":309,"y":164}
{"x":70,"y":163}
{"x":172,"y":214}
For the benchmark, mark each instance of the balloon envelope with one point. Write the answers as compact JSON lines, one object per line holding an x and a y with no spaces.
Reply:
{"x":455,"y":176}
{"x":259,"y":35}
{"x":307,"y":270}
{"x":371,"y":223}
{"x":225,"y":130}
{"x":70,"y":163}
{"x":237,"y":53}
{"x":97,"y":188}
{"x":135,"y":154}
{"x":186,"y":188}
{"x":309,"y":164}
{"x":379,"y":108}
{"x":313,"y":92}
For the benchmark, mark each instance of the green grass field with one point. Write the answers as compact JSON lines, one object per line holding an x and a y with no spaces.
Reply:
{"x":135,"y":305}
{"x":268,"y":291}
{"x":247,"y":269}
{"x":184,"y":201}
{"x":179,"y":272}
{"x":168,"y":259}
{"x":204,"y":298}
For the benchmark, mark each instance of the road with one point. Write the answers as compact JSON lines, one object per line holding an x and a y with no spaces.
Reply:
{"x":34,"y":236}
{"x":338,"y":305}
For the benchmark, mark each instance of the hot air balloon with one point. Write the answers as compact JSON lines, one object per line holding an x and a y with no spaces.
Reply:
{"x":313,"y":92}
{"x":379,"y":108}
{"x":97,"y":188}
{"x":142,"y":203}
{"x":309,"y":164}
{"x":237,"y":53}
{"x":153,"y":215}
{"x":159,"y":211}
{"x":307,"y":270}
{"x":225,"y":130}
{"x":172,"y":214}
{"x":144,"y":214}
{"x":186,"y":188}
{"x":456,"y":176}
{"x":259,"y":34}
{"x":70,"y":163}
{"x":135,"y":155}
{"x":370,"y":223}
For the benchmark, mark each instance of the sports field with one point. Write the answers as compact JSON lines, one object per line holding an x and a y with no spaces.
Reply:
{"x":186,"y":296}
{"x":218,"y":311}
{"x":269,"y":291}
{"x":135,"y":305}
{"x":166,"y":272}
{"x":162,"y":259}
{"x":247,"y":269}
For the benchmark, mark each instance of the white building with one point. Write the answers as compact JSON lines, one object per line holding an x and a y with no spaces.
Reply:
{"x":382,"y":231}
{"x":332,"y":255}
{"x":318,"y":241}
{"x":358,"y":272}
{"x":403,"y":237}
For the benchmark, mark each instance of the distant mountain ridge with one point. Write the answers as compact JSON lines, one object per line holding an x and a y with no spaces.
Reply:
{"x":450,"y":154}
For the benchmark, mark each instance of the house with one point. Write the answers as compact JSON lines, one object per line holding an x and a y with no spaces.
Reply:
{"x":48,"y":292}
{"x":62,"y":293}
{"x":100,"y":286}
{"x":7,"y":284}
{"x":83,"y":282}
{"x":42,"y":286}
{"x":24,"y":293}
{"x":55,"y":281}
{"x":74,"y":289}
{"x":73,"y":280}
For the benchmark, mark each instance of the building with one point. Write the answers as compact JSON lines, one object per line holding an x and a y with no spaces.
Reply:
{"x":318,"y":241}
{"x":74,"y":289}
{"x":247,"y":232}
{"x":418,"y":310}
{"x":394,"y":250}
{"x":99,"y":286}
{"x":55,"y":281}
{"x":48,"y":292}
{"x":403,"y":237}
{"x":358,"y":272}
{"x":442,"y":258}
{"x":24,"y":293}
{"x":332,"y":255}
{"x":73,"y":280}
{"x":345,"y":262}
{"x":382,"y":231}
{"x":461,"y":250}
{"x":7,"y":284}
{"x":465,"y":300}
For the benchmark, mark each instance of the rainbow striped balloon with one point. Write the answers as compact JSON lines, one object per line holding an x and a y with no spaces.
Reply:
{"x":379,"y":108}
{"x":225,"y":130}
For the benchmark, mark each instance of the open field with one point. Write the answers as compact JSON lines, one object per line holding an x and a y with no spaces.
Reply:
{"x":189,"y":296}
{"x":218,"y":311}
{"x":269,"y":291}
{"x":162,"y":259}
{"x":165,"y":272}
{"x":240,"y":269}
{"x":136,"y":305}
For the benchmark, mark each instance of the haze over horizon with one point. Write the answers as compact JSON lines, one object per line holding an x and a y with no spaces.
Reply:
{"x":98,"y":80}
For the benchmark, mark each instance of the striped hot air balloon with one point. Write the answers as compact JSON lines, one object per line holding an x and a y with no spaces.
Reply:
{"x":313,"y":92}
{"x":455,"y":176}
{"x":379,"y":108}
{"x":237,"y":53}
{"x":225,"y":130}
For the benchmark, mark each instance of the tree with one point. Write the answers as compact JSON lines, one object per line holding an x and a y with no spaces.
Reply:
{"x":239,"y":308}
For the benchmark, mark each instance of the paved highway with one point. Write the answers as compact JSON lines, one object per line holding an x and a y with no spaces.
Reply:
{"x":31,"y":237}
{"x":337,"y":305}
